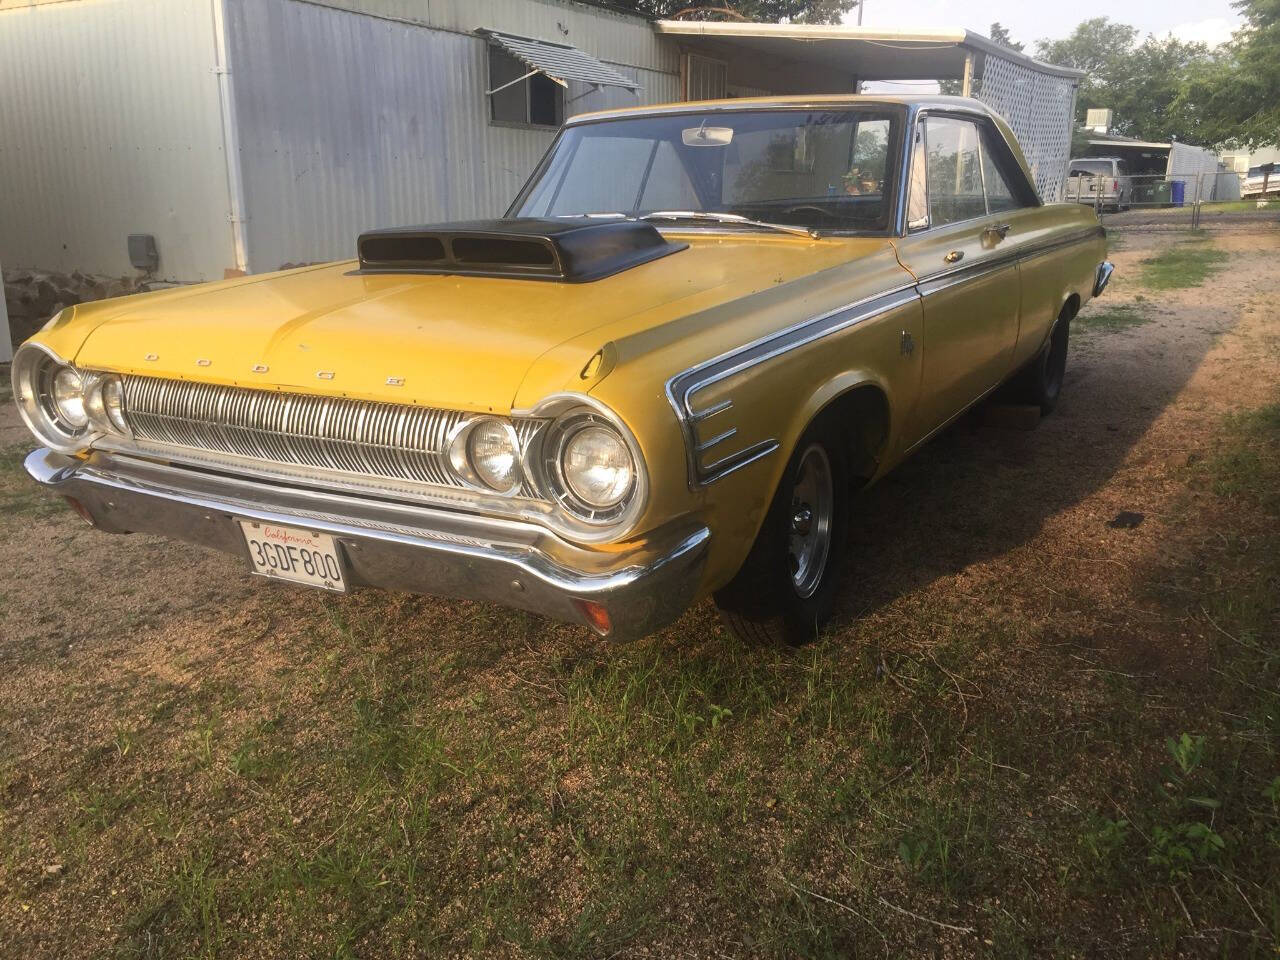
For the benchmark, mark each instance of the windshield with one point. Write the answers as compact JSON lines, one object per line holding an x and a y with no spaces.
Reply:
{"x":823,"y":169}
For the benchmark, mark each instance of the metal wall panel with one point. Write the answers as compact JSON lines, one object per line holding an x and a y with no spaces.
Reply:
{"x":110,"y":125}
{"x":349,"y":122}
{"x":616,"y":38}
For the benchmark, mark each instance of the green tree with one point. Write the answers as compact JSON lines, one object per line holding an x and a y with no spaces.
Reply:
{"x":1236,"y":95}
{"x":769,"y":11}
{"x":1000,"y":34}
{"x":1144,"y":83}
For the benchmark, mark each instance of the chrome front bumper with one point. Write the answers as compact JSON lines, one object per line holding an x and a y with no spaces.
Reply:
{"x":396,"y":546}
{"x":1103,"y":276}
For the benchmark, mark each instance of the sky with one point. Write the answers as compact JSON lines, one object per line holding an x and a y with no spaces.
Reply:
{"x":1207,"y":21}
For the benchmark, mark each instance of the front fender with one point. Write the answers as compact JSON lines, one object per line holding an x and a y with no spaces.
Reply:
{"x":766,"y":403}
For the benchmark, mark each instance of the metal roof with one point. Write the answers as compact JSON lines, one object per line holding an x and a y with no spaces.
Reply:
{"x":559,"y":61}
{"x":877,"y":54}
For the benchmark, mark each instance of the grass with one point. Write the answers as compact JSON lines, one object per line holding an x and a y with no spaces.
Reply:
{"x":18,"y":496}
{"x":1111,"y":317}
{"x":1241,"y":206}
{"x":946,"y":780}
{"x":999,"y":769}
{"x":1183,"y":265}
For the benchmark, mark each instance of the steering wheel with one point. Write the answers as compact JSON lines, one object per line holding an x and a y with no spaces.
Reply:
{"x":811,"y":208}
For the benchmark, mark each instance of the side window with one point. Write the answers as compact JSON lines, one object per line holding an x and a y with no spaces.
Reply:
{"x":518,"y":96}
{"x":1000,"y":196}
{"x":955,"y":171}
{"x":918,"y":194}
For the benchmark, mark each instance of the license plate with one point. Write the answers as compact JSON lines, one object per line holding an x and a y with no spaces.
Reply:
{"x":299,"y":556}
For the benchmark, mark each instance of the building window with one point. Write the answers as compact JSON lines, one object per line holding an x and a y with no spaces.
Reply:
{"x":705,"y":79}
{"x":521,"y":96}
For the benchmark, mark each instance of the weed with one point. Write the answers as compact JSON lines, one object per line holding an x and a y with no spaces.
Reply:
{"x":1187,"y":752}
{"x":1185,"y":265}
{"x":1176,"y":850}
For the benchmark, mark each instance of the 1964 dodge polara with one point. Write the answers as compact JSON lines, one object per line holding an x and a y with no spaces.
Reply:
{"x":698,"y":331}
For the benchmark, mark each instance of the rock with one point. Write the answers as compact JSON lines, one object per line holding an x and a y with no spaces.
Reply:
{"x":53,"y":870}
{"x":1125,"y":520}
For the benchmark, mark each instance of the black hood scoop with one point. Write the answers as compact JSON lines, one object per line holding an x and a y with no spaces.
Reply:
{"x":574,"y":250}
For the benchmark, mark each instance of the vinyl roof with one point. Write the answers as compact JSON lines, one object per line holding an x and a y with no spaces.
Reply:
{"x":872,"y":54}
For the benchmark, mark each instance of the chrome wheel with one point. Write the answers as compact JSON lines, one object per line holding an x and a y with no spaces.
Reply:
{"x":812,"y":512}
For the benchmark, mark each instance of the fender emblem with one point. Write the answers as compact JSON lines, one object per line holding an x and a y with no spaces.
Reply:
{"x":259,"y":368}
{"x":204,"y":363}
{"x":908,"y":344}
{"x":152,"y":357}
{"x":324,"y":374}
{"x":395,"y":381}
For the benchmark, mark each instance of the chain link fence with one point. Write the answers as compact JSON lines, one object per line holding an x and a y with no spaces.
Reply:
{"x":1188,"y":201}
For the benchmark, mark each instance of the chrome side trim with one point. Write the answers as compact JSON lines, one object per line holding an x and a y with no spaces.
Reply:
{"x":934,"y":282}
{"x":719,"y":438}
{"x":736,"y":461}
{"x":682,"y":389}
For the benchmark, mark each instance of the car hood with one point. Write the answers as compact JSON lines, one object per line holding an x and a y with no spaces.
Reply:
{"x":459,"y":342}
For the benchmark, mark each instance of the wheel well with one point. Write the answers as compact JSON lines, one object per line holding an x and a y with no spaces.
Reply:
{"x":863,"y":416}
{"x":1070,"y":308}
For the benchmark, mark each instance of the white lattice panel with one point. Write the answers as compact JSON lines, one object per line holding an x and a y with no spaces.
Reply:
{"x":1039,"y":108}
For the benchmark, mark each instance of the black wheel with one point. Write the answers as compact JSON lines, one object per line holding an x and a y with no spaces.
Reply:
{"x":1039,"y":383}
{"x":786,"y":588}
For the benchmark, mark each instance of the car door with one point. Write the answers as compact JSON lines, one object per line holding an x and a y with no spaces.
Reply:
{"x":959,"y":253}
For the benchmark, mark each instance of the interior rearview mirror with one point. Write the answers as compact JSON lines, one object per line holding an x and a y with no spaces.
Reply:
{"x":705,"y":136}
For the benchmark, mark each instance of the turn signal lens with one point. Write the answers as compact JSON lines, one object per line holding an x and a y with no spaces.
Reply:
{"x":596,"y":615}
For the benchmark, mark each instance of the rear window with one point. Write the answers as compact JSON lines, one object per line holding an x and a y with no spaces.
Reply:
{"x":1092,"y":168}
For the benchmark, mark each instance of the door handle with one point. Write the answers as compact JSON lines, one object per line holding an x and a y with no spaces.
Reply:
{"x":955,"y":256}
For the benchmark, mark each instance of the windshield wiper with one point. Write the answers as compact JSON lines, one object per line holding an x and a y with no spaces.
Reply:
{"x":727,"y":218}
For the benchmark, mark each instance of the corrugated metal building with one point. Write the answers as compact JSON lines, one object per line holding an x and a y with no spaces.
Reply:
{"x":247,"y":134}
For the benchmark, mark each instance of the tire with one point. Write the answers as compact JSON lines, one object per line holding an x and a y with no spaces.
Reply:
{"x":786,"y":589}
{"x":1039,"y":383}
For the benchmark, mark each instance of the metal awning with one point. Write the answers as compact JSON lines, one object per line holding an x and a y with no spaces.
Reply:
{"x":868,"y":52}
{"x":558,"y":61}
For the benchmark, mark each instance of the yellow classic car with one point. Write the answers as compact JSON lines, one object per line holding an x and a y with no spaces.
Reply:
{"x":662,"y":376}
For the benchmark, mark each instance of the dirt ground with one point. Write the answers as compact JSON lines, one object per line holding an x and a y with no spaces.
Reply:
{"x":194,"y":761}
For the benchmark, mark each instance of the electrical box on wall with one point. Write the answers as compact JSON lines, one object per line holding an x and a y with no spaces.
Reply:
{"x":143,"y":253}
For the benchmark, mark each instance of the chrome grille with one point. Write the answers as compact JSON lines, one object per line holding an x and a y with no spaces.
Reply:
{"x":390,"y":440}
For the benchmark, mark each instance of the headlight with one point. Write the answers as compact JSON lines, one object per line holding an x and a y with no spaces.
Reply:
{"x":104,"y":403}
{"x":113,"y":401}
{"x":68,"y":398}
{"x":51,"y":398}
{"x":491,"y":449}
{"x":64,"y":407}
{"x":598,"y":467}
{"x":589,"y":464}
{"x":486,"y":454}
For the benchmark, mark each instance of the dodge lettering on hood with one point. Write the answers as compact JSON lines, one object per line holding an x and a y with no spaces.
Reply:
{"x":663,"y":376}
